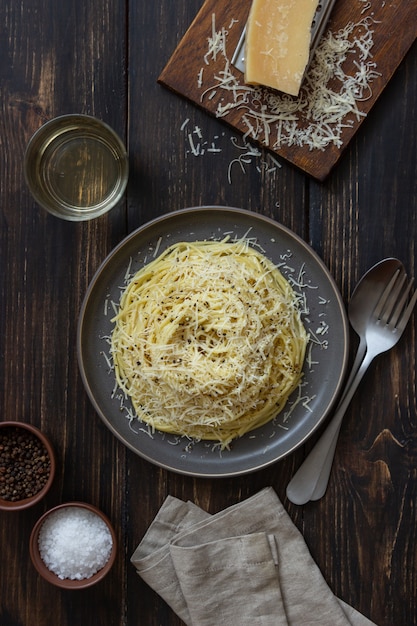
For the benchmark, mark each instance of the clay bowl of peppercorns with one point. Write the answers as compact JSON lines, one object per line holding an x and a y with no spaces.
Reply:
{"x":27,"y":465}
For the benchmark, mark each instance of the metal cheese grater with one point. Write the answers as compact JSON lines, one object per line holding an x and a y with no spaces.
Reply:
{"x":320,"y":19}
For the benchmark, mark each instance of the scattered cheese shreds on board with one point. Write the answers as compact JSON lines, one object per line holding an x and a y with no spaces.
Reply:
{"x":328,"y":100}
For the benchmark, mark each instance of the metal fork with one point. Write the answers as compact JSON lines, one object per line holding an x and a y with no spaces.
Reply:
{"x":385,"y":328}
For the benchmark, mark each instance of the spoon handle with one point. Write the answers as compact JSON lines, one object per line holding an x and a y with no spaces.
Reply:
{"x":361,"y":351}
{"x":323,"y":479}
{"x":302,"y":485}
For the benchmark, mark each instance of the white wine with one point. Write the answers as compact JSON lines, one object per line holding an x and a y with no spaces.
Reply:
{"x":76,"y":167}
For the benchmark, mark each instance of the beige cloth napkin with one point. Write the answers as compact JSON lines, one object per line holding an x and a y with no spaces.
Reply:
{"x":247,"y":565}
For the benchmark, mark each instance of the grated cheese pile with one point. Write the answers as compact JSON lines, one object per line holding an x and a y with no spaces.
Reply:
{"x":74,"y":543}
{"x":208,"y":341}
{"x":328,"y":101}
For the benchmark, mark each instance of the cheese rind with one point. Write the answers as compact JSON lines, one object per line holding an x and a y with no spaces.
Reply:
{"x":278,"y":38}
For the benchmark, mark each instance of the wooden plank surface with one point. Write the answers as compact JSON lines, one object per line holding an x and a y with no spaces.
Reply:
{"x":196,"y":72}
{"x":54,"y":60}
{"x":104,"y":58}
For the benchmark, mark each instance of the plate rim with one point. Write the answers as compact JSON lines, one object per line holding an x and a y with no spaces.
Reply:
{"x":149,"y":225}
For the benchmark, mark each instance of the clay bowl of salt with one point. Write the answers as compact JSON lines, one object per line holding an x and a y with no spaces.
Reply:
{"x":73,"y":545}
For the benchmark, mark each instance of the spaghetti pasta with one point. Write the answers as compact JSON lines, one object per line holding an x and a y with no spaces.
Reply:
{"x":208,"y":341}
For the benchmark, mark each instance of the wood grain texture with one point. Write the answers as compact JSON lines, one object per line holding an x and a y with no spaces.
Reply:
{"x":54,"y":60}
{"x":394,"y":29}
{"x":104,"y":58}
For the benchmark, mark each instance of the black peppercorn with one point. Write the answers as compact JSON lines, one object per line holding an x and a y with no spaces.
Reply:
{"x":24,"y":464}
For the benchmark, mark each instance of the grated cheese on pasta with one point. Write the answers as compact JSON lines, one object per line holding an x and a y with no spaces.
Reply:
{"x":208,"y":341}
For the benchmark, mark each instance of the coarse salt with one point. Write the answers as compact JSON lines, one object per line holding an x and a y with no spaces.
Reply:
{"x":74,"y":543}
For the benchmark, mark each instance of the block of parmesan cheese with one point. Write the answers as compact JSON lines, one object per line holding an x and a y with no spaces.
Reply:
{"x":278,"y":38}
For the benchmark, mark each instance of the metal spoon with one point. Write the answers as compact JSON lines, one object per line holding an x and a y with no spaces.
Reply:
{"x":360,"y":309}
{"x":361,"y":306}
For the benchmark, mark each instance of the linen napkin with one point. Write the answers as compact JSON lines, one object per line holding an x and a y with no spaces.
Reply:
{"x":246,"y":565}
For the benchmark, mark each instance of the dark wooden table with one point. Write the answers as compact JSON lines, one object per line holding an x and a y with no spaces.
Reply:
{"x":104,"y":58}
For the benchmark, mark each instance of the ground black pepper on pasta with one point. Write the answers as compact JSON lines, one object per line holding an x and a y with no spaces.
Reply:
{"x":208,"y":341}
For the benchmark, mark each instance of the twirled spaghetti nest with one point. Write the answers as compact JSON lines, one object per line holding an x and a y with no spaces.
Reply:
{"x":208,"y":341}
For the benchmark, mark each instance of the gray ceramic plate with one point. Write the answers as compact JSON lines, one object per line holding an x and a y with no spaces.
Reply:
{"x":324,"y":317}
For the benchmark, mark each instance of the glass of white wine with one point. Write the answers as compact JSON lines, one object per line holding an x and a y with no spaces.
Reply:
{"x":76,"y":167}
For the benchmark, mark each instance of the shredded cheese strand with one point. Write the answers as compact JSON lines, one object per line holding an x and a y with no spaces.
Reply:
{"x":328,"y":100}
{"x":208,"y":341}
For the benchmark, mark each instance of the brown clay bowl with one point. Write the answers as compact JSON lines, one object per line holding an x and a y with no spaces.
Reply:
{"x":24,"y":503}
{"x":51,"y":577}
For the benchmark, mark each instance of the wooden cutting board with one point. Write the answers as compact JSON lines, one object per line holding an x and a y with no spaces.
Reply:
{"x":194,"y":73}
